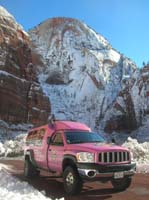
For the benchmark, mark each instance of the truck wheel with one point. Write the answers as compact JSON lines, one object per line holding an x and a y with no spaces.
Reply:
{"x":72,"y":181}
{"x":29,"y":170}
{"x":121,"y":184}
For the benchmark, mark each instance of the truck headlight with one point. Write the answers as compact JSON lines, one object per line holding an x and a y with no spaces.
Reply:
{"x":85,"y":157}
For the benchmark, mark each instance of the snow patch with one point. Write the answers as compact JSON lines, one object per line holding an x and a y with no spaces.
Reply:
{"x":5,"y":13}
{"x":12,"y":138}
{"x":13,"y":76}
{"x":12,"y":188}
{"x":140,"y":150}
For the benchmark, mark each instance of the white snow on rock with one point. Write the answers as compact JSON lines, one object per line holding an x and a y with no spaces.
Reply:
{"x":12,"y":148}
{"x":2,"y":149}
{"x":138,"y":143}
{"x":12,"y":139}
{"x":142,"y":133}
{"x":140,"y":150}
{"x":12,"y":188}
{"x":82,"y":73}
{"x":140,"y":153}
{"x":4,"y":73}
{"x":5,"y":13}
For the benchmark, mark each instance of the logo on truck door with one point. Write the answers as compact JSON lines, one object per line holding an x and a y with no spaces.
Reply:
{"x":57,"y":140}
{"x":53,"y":155}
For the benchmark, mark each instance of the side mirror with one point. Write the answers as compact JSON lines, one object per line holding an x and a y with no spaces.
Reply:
{"x":48,"y":140}
{"x":51,"y":120}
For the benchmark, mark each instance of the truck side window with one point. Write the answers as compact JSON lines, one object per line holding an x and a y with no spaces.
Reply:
{"x":57,"y":140}
{"x":29,"y":138}
{"x":39,"y":137}
{"x":35,"y":137}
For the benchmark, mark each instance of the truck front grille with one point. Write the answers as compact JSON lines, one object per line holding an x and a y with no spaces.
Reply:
{"x":112,"y":157}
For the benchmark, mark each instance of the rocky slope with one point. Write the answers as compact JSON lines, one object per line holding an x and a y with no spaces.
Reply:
{"x":21,"y":97}
{"x":86,"y":79}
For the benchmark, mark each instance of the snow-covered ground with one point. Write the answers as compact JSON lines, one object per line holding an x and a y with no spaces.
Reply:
{"x":12,"y":188}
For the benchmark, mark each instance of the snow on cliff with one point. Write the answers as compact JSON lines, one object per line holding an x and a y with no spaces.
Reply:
{"x":4,"y":14}
{"x":82,"y":73}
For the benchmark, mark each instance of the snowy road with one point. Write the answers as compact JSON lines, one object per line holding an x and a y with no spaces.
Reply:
{"x":53,"y":186}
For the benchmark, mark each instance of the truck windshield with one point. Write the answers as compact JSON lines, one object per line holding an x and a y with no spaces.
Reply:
{"x":83,"y":137}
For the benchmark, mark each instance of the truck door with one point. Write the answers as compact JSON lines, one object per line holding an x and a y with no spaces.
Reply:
{"x":55,"y":152}
{"x":39,"y":149}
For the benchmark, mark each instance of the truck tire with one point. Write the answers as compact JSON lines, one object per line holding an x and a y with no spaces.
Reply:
{"x":29,"y":170}
{"x":121,"y":184}
{"x":72,"y":181}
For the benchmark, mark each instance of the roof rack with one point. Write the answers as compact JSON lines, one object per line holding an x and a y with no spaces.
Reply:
{"x":52,"y":119}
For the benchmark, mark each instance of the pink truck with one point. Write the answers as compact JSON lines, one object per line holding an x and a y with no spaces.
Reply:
{"x":78,"y":154}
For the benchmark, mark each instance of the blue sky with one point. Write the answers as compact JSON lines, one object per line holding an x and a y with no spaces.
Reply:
{"x":125,"y":23}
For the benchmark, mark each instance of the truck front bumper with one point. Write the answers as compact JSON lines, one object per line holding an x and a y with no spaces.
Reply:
{"x":94,"y":171}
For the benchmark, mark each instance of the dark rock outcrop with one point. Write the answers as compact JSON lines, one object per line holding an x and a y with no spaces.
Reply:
{"x":132,"y":103}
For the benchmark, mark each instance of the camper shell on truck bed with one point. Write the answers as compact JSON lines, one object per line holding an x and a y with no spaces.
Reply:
{"x":78,"y":154}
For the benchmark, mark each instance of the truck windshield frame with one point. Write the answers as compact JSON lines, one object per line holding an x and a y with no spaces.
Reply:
{"x":78,"y":137}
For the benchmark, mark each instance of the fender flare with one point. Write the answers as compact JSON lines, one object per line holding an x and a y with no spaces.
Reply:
{"x":69,"y":160}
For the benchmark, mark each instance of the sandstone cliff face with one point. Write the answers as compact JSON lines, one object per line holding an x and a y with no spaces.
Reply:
{"x":84,"y":75}
{"x":21,"y":97}
{"x":132,"y":103}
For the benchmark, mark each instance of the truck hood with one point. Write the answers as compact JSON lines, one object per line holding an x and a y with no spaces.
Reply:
{"x":94,"y":147}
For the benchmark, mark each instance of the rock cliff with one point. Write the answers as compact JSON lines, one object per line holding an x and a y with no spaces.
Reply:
{"x":21,"y":97}
{"x":85,"y":77}
{"x":66,"y":61}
